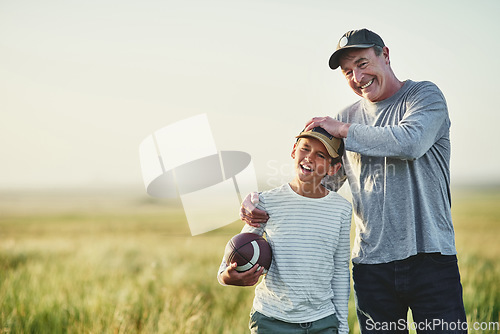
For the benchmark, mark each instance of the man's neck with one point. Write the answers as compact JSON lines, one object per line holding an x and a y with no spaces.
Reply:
{"x":394,"y":87}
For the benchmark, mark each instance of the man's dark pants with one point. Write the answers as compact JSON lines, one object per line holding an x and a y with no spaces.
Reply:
{"x":427,"y":283}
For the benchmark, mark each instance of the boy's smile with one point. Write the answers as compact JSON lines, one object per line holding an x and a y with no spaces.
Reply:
{"x":306,"y":168}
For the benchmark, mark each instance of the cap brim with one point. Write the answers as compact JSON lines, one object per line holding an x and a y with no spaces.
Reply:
{"x":330,"y":150}
{"x":334,"y":59}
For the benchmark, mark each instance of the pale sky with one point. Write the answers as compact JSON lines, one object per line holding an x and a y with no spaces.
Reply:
{"x":84,"y":82}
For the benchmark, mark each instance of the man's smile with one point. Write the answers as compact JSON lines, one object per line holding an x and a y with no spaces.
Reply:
{"x":367,"y":84}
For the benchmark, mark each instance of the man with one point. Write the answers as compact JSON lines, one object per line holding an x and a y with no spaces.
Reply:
{"x":397,"y":163}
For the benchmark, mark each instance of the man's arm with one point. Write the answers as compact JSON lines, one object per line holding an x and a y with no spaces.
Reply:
{"x":249,"y":212}
{"x":425,"y":121}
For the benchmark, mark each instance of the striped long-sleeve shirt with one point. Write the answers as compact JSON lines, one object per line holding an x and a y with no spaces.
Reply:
{"x":309,"y":274}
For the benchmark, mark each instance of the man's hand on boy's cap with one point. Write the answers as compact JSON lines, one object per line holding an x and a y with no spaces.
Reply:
{"x":332,"y":126}
{"x":249,"y":212}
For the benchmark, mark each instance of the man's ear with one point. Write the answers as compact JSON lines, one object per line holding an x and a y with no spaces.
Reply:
{"x":334,"y":169}
{"x":385,"y":53}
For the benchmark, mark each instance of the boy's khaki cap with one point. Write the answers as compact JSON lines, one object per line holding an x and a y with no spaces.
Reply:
{"x":331,"y":143}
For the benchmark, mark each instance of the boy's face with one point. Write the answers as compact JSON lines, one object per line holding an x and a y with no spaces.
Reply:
{"x":312,"y":161}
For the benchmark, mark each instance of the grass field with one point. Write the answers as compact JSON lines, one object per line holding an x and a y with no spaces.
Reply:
{"x":111,"y":263}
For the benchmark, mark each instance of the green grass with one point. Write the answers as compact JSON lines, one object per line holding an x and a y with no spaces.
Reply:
{"x":131,"y":266}
{"x":476,"y":215}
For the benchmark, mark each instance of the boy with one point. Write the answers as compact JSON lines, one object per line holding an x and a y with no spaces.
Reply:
{"x":307,"y":287}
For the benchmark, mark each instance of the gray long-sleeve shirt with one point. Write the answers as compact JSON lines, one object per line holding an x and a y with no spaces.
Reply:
{"x":397,"y":163}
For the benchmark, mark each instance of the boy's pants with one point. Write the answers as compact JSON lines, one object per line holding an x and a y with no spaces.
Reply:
{"x":260,"y":324}
{"x":427,"y":283}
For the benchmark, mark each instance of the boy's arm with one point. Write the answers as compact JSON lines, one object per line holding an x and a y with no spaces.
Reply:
{"x":341,"y":276}
{"x":227,"y":274}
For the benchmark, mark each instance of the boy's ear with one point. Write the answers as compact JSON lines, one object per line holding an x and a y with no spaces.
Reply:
{"x":293,"y":151}
{"x":334,"y":169}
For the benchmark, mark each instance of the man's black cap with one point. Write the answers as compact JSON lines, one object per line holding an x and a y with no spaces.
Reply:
{"x":361,"y":39}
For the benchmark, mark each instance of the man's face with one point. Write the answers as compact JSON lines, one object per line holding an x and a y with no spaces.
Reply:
{"x":368,"y":75}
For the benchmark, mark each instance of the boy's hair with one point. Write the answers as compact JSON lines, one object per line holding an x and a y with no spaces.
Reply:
{"x":340,"y":152}
{"x":334,"y":146}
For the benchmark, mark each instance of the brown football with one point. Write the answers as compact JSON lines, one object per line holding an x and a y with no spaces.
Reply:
{"x":248,"y":249}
